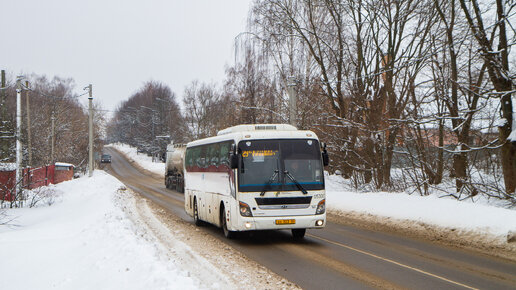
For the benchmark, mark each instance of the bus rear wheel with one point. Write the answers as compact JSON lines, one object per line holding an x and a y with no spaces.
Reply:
{"x":197,"y":221}
{"x":298,"y":234}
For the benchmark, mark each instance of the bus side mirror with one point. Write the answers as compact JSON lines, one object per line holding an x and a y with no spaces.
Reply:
{"x":233,"y":157}
{"x":325,"y":157}
{"x":233,"y":160}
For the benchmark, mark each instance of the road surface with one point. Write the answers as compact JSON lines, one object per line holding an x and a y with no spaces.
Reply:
{"x":340,"y":256}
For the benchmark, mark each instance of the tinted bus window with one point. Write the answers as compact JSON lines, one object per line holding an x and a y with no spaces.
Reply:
{"x":224,"y":153}
{"x":188,"y":159}
{"x":214,"y":154}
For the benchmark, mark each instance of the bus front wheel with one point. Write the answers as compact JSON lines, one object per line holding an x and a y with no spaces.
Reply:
{"x":298,"y":233}
{"x":227,"y":233}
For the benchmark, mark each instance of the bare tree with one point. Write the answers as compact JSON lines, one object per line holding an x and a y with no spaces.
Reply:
{"x":201,"y":103}
{"x":497,"y":65}
{"x":147,"y":117}
{"x":367,"y":62}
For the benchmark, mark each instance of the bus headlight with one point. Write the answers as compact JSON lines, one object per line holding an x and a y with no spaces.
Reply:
{"x":321,"y":207}
{"x":245,"y":210}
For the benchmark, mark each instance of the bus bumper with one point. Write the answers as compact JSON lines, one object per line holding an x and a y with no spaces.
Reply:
{"x":279,"y":223}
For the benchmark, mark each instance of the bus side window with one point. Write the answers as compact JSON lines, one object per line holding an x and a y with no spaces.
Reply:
{"x":204,"y":153}
{"x":188,"y":159}
{"x":214,"y":154}
{"x":224,"y":153}
{"x":196,"y":157}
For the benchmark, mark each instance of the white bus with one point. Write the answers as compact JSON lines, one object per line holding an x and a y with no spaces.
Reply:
{"x":257,"y":177}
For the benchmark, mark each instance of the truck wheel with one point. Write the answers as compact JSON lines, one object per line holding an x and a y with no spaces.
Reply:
{"x":298,"y":234}
{"x":178,"y":185}
{"x":181,"y":185}
{"x":197,"y":221}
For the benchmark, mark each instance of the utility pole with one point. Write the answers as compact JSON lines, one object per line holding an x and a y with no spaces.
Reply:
{"x":90,"y":115}
{"x":2,"y":93}
{"x":53,"y":118}
{"x":29,"y":141}
{"x":3,"y":142}
{"x":291,"y":89}
{"x":18,"y":185}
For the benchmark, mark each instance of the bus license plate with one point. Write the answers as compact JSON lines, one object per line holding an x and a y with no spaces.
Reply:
{"x":286,"y":222}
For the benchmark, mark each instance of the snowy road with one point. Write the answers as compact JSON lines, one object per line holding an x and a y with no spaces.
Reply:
{"x":342,"y":256}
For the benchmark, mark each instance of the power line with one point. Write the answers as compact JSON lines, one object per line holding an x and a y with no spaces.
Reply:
{"x":51,"y":96}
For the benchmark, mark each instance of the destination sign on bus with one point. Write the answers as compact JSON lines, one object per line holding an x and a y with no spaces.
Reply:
{"x":255,"y":153}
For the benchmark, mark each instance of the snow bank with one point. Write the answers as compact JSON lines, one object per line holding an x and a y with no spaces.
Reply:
{"x":512,"y":136}
{"x":140,"y":158}
{"x":64,"y":164}
{"x":83,"y":241}
{"x":443,"y":212}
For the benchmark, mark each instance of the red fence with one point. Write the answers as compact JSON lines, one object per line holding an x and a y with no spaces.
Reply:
{"x":7,"y":182}
{"x":33,"y":178}
{"x":36,"y":177}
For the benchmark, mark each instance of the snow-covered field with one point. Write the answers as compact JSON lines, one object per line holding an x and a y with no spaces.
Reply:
{"x":84,"y":240}
{"x":475,"y":215}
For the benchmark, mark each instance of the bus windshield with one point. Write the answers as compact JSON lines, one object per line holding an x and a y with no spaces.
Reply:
{"x":266,"y":165}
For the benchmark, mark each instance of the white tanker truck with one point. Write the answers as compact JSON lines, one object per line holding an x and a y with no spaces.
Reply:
{"x":174,"y":175}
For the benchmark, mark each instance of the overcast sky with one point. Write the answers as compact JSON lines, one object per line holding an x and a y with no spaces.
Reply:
{"x":119,"y":45}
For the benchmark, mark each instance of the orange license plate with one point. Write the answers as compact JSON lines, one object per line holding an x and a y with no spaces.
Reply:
{"x":286,"y":222}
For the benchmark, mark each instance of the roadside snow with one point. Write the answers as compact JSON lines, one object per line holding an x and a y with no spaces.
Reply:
{"x":83,"y":241}
{"x":141,"y":158}
{"x":432,"y":210}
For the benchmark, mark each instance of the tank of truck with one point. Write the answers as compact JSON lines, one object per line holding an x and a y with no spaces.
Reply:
{"x":175,"y":157}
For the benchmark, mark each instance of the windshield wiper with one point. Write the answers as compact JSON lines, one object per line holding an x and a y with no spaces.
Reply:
{"x":273,"y":177}
{"x":295,"y":182}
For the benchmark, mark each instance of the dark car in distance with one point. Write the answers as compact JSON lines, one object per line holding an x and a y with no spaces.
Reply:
{"x":106,"y":158}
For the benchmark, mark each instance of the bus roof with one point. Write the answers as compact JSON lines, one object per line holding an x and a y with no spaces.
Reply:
{"x":257,"y":127}
{"x":256,"y":131}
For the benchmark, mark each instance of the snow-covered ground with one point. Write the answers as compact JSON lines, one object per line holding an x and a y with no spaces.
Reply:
{"x":474,"y":215}
{"x":477,"y":215}
{"x":141,"y":158}
{"x":84,"y":240}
